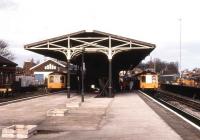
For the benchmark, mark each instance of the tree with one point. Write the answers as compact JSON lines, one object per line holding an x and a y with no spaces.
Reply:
{"x":161,"y":67}
{"x":4,"y":50}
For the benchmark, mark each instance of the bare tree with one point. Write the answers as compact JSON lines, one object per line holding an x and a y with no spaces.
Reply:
{"x":4,"y":50}
{"x":160,"y":66}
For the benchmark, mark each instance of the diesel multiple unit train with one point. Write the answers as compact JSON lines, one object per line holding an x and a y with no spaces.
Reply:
{"x":146,"y":80}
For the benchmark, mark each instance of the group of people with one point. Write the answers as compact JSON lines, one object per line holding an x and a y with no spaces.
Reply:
{"x":127,"y":84}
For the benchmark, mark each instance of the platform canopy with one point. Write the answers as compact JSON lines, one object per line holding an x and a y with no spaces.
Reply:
{"x":99,"y":49}
{"x":70,"y":46}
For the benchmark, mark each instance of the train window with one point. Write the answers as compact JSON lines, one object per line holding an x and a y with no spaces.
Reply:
{"x":148,"y":78}
{"x":154,"y":78}
{"x":56,"y":78}
{"x":51,"y":79}
{"x":62,"y":79}
{"x":143,"y":79}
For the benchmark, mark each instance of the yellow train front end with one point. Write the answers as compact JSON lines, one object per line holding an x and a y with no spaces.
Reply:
{"x":56,"y":81}
{"x":149,"y":81}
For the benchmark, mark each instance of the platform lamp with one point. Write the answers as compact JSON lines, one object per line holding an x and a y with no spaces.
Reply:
{"x":82,"y":75}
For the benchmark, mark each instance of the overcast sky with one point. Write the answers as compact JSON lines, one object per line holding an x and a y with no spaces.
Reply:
{"x":154,"y":21}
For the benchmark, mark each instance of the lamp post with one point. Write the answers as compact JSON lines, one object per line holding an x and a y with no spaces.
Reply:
{"x":82,"y":75}
{"x":180,"y":45}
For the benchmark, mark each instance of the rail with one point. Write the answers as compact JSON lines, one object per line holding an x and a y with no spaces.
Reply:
{"x":181,"y":99}
{"x":23,"y":98}
{"x":165,"y":98}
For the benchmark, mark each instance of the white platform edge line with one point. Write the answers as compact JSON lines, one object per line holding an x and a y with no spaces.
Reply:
{"x":180,"y":116}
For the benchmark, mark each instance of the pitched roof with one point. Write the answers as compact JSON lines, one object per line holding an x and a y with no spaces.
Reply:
{"x":5,"y":61}
{"x":62,"y":65}
{"x":84,"y":33}
{"x":97,"y":46}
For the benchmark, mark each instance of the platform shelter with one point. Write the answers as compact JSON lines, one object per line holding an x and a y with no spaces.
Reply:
{"x":104,"y":54}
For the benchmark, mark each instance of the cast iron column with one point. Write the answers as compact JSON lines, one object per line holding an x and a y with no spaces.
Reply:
{"x":110,"y":78}
{"x":82,"y":76}
{"x":110,"y":68}
{"x":68,"y":78}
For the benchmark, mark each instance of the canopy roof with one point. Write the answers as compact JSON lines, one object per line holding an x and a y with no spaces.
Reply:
{"x":123,"y":50}
{"x":99,"y":48}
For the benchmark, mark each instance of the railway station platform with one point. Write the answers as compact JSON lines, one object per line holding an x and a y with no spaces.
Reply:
{"x":127,"y":116}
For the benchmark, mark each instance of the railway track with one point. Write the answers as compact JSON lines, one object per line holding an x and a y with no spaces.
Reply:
{"x":14,"y":100}
{"x":165,"y":100}
{"x":167,"y":96}
{"x":22,"y":99}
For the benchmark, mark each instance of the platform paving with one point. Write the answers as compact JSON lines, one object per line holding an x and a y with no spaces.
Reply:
{"x":125,"y":117}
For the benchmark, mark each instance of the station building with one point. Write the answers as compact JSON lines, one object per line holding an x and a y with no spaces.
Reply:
{"x":7,"y":72}
{"x":43,"y":69}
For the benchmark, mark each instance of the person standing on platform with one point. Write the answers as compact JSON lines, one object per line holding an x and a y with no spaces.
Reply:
{"x":121,"y":84}
{"x":130,"y":84}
